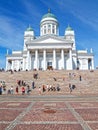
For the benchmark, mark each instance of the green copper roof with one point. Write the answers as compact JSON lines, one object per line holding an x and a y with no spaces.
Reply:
{"x":69,"y":28}
{"x":29,"y":28}
{"x":49,"y":15}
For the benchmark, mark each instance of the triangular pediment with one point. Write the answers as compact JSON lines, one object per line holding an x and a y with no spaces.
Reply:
{"x":49,"y":39}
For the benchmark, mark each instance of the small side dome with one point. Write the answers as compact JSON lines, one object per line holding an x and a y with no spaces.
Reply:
{"x":69,"y":28}
{"x":69,"y":32}
{"x":29,"y":28}
{"x":29,"y":32}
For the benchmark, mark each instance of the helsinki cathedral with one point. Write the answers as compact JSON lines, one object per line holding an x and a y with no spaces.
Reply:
{"x":50,"y":50}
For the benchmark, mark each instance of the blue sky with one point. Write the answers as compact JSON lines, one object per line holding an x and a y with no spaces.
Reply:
{"x":16,"y":15}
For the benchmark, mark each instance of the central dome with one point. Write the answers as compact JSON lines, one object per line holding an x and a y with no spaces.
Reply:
{"x":49,"y":24}
{"x":49,"y":15}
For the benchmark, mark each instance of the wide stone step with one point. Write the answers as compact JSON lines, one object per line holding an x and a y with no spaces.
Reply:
{"x":88,"y":84}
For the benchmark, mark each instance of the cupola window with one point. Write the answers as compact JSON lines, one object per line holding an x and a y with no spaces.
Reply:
{"x":53,"y":29}
{"x":44,"y":29}
{"x":49,"y":29}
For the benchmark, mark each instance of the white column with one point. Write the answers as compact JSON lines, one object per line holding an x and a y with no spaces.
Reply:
{"x":62,"y":58}
{"x":44,"y":59}
{"x":28,"y":60}
{"x":92,"y":63}
{"x":12,"y":67}
{"x":55,"y":29}
{"x":54,"y":59}
{"x":70,"y":60}
{"x":18,"y":65}
{"x":36,"y":59}
{"x":8,"y":65}
{"x":51,"y":29}
{"x":43,"y":30}
{"x":24,"y":63}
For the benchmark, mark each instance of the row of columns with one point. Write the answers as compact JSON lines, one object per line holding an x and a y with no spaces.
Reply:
{"x":27,"y":61}
{"x":36,"y":61}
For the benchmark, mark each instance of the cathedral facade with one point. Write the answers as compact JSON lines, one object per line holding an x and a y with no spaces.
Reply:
{"x":49,"y":50}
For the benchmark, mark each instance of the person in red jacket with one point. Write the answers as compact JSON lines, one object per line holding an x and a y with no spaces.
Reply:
{"x":17,"y":89}
{"x":23,"y":90}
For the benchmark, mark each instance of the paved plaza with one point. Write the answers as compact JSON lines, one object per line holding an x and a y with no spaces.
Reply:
{"x":48,"y":112}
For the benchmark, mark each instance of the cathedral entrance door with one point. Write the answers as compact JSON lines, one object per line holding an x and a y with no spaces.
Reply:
{"x":49,"y":65}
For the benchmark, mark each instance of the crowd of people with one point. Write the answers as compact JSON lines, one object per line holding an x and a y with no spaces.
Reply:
{"x":24,"y":88}
{"x":19,"y":89}
{"x":47,"y":88}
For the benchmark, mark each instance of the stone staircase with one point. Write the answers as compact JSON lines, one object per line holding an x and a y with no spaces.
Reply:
{"x":88,"y":84}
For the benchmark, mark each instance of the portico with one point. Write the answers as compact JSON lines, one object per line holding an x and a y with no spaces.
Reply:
{"x":49,"y":58}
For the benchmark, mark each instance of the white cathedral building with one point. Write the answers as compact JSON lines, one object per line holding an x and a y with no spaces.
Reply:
{"x":49,"y":50}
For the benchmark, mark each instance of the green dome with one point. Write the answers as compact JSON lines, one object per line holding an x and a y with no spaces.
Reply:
{"x":49,"y":15}
{"x":29,"y":29}
{"x":69,"y":28}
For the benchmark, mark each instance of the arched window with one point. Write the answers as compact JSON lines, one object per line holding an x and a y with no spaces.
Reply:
{"x":44,"y":29}
{"x":53,"y":29}
{"x":49,"y":29}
